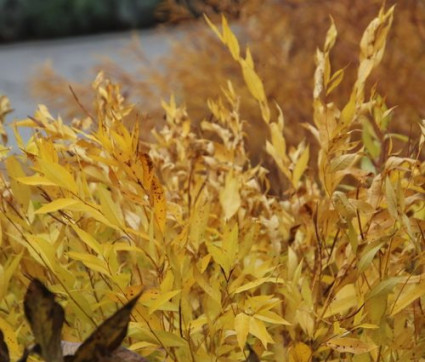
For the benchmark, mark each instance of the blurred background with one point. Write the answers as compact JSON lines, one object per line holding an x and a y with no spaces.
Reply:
{"x":35,"y":19}
{"x":46,"y":19}
{"x":157,"y":47}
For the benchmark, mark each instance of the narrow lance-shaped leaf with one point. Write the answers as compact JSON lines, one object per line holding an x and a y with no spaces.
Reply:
{"x":242,"y":328}
{"x":45,"y":317}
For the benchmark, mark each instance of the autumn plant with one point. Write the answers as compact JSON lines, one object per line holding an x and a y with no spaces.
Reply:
{"x":283,"y":37}
{"x":330,"y":268}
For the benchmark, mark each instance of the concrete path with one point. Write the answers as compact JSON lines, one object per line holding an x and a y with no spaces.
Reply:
{"x":70,"y":57}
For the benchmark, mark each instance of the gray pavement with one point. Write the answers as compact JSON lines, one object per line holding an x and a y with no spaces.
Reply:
{"x":70,"y":57}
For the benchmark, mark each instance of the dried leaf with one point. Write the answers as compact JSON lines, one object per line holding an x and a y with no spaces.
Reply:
{"x":46,"y":318}
{"x":106,"y":338}
{"x":350,"y":345}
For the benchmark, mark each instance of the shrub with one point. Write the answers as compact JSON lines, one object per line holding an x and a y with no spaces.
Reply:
{"x":283,"y":38}
{"x":331,"y":268}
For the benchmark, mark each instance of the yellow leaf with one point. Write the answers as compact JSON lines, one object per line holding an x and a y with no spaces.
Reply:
{"x":300,"y":353}
{"x":257,"y":329}
{"x":305,"y":320}
{"x":372,"y":44}
{"x":248,"y":58}
{"x":256,"y":283}
{"x":21,"y":192}
{"x":197,"y":324}
{"x":368,"y":255}
{"x":10,"y":339}
{"x":159,"y":203}
{"x":319,"y":75}
{"x":271,"y":317}
{"x":90,"y":261}
{"x":8,"y":272}
{"x":330,"y":36}
{"x":300,"y":166}
{"x":169,"y":339}
{"x":58,"y":174}
{"x":253,"y":81}
{"x":35,"y":180}
{"x":335,"y":81}
{"x":391,"y":199}
{"x":88,"y":239}
{"x":218,"y":255}
{"x":230,"y":39}
{"x":350,"y":345}
{"x":206,"y":286}
{"x":230,"y":246}
{"x":342,"y":162}
{"x":162,"y":299}
{"x":230,"y":199}
{"x":384,"y":287}
{"x":214,"y":28}
{"x":93,"y":211}
{"x":56,"y":205}
{"x":242,"y":322}
{"x":41,"y":250}
{"x":278,"y":141}
{"x":344,"y":299}
{"x":343,"y":205}
{"x":349,"y":110}
{"x":199,"y":220}
{"x":408,"y":295}
{"x":143,"y":169}
{"x":110,"y":209}
{"x":367,"y":326}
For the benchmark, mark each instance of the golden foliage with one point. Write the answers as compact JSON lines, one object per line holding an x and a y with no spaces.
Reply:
{"x":283,"y":38}
{"x":330,"y":269}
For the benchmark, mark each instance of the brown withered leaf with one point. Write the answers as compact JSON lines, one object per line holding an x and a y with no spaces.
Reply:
{"x":46,"y":318}
{"x":252,"y":357}
{"x":4,"y":351}
{"x":106,"y":338}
